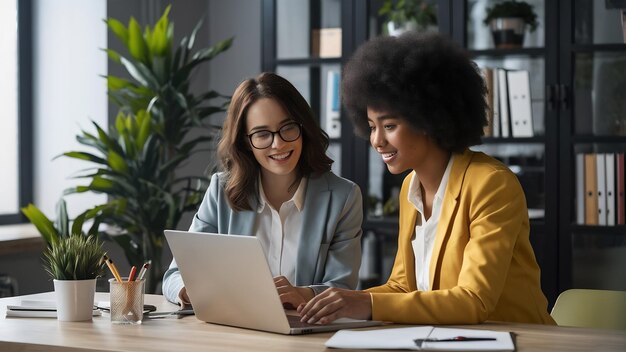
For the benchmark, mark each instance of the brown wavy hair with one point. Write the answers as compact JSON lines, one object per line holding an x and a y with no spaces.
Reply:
{"x":236,"y":158}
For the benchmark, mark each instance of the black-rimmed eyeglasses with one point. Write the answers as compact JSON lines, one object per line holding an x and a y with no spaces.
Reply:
{"x":264,"y":138}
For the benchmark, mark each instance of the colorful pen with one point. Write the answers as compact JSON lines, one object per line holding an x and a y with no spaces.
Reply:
{"x":112,"y":267}
{"x":133,"y":271}
{"x":456,"y":339}
{"x":142,"y":272}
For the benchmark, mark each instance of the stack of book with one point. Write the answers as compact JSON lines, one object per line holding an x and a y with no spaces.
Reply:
{"x":508,"y":99}
{"x":36,"y":309}
{"x":600,"y":189}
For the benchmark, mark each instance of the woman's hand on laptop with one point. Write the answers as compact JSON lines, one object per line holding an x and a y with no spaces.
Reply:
{"x":292,"y":296}
{"x":335,"y":303}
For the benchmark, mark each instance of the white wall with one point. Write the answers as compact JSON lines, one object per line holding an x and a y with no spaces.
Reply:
{"x":68,"y":92}
{"x":9,"y":202}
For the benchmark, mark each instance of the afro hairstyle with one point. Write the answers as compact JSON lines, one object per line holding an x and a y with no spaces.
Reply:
{"x":425,"y":79}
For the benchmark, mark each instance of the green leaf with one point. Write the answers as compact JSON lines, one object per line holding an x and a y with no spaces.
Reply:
{"x":170,"y":38}
{"x":119,"y":123}
{"x":141,"y":73}
{"x":178,"y":55}
{"x":160,"y":68}
{"x":42,"y":223}
{"x":192,"y":38}
{"x":100,"y":183}
{"x":118,"y":29}
{"x":113,"y":55}
{"x":212,"y":51}
{"x":77,"y":189}
{"x":85,"y":156}
{"x":182,"y":101}
{"x":77,"y":226}
{"x":144,"y":130}
{"x":62,"y":220}
{"x":117,"y":162}
{"x":104,"y":137}
{"x":116,"y":83}
{"x":147,"y":36}
{"x":203,"y":55}
{"x":160,"y":41}
{"x":136,"y":44}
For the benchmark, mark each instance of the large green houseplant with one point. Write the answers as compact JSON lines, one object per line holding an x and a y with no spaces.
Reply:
{"x":137,"y":158}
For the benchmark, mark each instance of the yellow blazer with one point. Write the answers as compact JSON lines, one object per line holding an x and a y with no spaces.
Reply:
{"x":483,"y":266}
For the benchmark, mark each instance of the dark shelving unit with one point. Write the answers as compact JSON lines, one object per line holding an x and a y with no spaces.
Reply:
{"x":555,"y":237}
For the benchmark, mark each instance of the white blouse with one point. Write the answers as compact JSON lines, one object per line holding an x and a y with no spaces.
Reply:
{"x":423,"y":240}
{"x":279,"y":231}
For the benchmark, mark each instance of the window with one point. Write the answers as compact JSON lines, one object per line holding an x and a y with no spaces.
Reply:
{"x":15,"y":100}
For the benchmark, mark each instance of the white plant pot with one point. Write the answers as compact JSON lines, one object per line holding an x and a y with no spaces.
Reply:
{"x":74,"y":299}
{"x":396,"y":29}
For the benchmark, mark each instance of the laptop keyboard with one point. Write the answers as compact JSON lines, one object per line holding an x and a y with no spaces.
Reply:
{"x":294,"y":322}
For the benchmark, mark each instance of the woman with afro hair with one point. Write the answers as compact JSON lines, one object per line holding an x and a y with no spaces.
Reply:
{"x":464,"y":254}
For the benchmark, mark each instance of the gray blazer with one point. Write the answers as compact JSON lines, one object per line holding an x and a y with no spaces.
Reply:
{"x":329,"y":253}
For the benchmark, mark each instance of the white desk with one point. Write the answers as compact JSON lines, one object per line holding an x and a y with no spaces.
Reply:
{"x":190,"y":334}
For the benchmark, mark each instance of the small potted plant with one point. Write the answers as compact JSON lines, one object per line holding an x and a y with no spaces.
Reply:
{"x":75,"y":262}
{"x":72,"y":259}
{"x":508,"y":21}
{"x":406,"y":15}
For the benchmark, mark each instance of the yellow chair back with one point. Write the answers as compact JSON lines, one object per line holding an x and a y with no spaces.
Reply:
{"x":591,"y":308}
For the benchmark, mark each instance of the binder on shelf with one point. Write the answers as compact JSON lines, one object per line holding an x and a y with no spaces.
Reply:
{"x":591,"y":190}
{"x":504,"y":103}
{"x":610,"y":189}
{"x":333,"y":107}
{"x":620,"y":198}
{"x":326,"y":42}
{"x":519,"y":103}
{"x":495,"y":103}
{"x":580,"y":189}
{"x":601,"y":180}
{"x":488,"y":77}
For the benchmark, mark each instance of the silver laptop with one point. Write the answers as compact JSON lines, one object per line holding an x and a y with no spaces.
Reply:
{"x":229,"y":282}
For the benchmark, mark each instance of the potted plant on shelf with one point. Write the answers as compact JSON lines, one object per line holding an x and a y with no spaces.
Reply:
{"x":72,"y":259}
{"x":508,"y":20}
{"x":406,"y":15}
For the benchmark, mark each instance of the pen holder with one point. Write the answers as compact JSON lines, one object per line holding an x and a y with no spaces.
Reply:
{"x":126,"y":301}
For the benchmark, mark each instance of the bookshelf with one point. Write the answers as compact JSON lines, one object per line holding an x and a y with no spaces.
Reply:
{"x":571,"y":41}
{"x":592,"y":67}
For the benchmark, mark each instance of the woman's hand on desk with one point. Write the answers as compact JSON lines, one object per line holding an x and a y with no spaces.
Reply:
{"x":335,"y":303}
{"x":292,"y":296}
{"x":184,"y":298}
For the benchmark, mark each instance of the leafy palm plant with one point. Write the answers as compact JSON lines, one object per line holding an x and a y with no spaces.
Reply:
{"x":137,"y":158}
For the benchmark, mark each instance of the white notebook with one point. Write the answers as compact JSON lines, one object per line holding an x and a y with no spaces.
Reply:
{"x":36,"y":309}
{"x":419,"y":339}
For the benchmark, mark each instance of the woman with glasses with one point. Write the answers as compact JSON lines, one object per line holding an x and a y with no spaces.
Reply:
{"x":276,"y":184}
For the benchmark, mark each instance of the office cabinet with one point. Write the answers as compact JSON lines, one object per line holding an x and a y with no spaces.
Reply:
{"x":576,"y":67}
